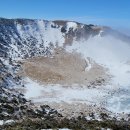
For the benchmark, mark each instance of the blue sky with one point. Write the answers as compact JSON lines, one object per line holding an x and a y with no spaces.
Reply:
{"x":102,"y":12}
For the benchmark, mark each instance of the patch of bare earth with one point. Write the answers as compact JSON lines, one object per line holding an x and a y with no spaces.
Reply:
{"x":63,"y":68}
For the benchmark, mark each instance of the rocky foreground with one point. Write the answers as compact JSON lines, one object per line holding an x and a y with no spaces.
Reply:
{"x":19,"y":114}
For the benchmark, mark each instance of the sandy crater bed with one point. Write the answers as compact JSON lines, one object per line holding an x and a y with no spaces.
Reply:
{"x":63,"y":68}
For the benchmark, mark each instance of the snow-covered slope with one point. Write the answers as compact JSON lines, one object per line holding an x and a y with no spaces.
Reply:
{"x":25,"y":38}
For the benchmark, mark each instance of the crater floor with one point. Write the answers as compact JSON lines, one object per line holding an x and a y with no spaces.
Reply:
{"x":65,"y":69}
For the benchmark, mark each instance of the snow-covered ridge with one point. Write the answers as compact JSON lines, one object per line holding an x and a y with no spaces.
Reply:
{"x":25,"y":38}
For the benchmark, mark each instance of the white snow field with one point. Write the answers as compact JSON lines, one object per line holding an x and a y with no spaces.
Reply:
{"x":57,"y":93}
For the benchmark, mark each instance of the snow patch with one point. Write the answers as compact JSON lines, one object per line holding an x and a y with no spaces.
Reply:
{"x":9,"y":122}
{"x":71,"y":25}
{"x":57,"y":93}
{"x":1,"y":122}
{"x":89,"y":64}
